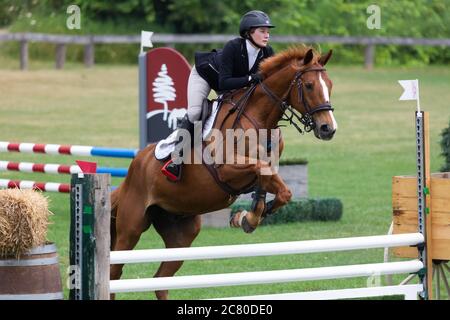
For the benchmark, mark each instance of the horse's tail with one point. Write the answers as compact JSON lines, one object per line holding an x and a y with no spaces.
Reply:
{"x":114,"y":205}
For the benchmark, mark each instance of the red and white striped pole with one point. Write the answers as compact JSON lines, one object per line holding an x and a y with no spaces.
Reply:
{"x":42,"y":186}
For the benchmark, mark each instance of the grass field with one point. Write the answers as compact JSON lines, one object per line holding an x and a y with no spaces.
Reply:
{"x":374,"y":142}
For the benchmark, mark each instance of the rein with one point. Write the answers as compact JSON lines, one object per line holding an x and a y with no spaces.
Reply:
{"x":306,"y":119}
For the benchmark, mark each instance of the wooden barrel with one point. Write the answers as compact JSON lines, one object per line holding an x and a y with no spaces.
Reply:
{"x":34,"y":276}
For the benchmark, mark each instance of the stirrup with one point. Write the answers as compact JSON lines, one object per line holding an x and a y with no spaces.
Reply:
{"x":169,"y":171}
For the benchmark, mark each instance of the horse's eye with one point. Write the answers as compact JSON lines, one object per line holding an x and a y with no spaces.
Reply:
{"x":309,"y":85}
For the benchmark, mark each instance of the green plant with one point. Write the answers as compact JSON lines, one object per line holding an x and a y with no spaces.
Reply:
{"x":293,"y":161}
{"x":337,"y":17}
{"x":445,"y":145}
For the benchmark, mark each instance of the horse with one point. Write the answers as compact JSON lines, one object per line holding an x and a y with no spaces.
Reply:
{"x":296,"y":87}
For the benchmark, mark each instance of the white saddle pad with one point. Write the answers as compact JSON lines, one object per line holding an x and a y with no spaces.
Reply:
{"x":166,"y":146}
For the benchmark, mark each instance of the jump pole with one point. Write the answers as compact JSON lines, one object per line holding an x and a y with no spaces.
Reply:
{"x":424,"y":200}
{"x":411,"y":92}
{"x":74,"y":150}
{"x":56,"y":168}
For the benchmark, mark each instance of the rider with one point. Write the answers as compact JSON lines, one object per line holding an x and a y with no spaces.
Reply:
{"x":234,"y":67}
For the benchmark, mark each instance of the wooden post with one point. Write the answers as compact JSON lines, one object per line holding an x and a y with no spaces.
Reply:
{"x":89,"y":54}
{"x":60,"y":55}
{"x":23,"y":55}
{"x":369,"y":56}
{"x":102,"y":235}
{"x":90,"y":235}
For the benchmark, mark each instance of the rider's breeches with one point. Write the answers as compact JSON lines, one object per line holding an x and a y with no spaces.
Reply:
{"x":198,"y":90}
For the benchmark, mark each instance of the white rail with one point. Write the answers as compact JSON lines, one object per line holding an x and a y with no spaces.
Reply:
{"x":265,"y":249}
{"x":276,"y":276}
{"x":410,"y":292}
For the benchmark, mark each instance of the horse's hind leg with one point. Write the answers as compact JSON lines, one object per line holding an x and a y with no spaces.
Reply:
{"x":131,"y":221}
{"x":177,"y":232}
{"x":114,"y":205}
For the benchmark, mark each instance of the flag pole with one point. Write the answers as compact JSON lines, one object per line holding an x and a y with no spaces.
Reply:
{"x":418,"y":97}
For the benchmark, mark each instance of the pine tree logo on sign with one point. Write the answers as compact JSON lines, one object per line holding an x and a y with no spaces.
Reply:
{"x":163,"y":89}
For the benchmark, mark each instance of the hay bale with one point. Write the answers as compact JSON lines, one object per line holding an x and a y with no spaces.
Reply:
{"x":23,"y":221}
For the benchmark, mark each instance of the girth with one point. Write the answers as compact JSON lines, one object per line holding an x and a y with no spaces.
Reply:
{"x":239,"y":106}
{"x":225,"y":186}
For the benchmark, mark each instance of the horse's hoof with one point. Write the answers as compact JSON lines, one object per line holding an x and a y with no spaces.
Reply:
{"x":246,"y":226}
{"x":234,"y":220}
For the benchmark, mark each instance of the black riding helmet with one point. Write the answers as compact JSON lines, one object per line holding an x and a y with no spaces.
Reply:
{"x":254,"y":19}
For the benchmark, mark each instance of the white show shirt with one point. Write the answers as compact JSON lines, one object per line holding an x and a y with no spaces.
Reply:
{"x":252,"y":53}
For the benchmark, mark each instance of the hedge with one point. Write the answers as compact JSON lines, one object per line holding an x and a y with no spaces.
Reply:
{"x":298,"y":210}
{"x":445,"y":145}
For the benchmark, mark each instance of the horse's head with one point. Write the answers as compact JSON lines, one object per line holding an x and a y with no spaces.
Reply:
{"x":310,"y":95}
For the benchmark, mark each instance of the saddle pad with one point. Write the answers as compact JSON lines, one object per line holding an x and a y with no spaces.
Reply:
{"x":166,"y":146}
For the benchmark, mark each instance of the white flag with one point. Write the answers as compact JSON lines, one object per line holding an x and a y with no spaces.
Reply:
{"x":411,"y":88}
{"x":146,"y":39}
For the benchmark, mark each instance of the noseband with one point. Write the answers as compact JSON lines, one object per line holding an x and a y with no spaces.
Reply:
{"x":305,"y":119}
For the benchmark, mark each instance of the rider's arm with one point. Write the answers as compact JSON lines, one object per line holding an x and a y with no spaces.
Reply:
{"x":230,"y":56}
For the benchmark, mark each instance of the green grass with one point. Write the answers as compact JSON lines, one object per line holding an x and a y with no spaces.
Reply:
{"x":374,"y":142}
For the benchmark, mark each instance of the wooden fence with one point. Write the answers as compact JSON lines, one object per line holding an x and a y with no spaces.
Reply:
{"x":89,"y":42}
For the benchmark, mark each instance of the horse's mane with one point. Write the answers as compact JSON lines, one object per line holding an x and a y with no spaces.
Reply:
{"x":279,"y":60}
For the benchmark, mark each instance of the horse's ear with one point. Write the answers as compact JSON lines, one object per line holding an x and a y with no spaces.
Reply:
{"x":324,"y":59}
{"x":308,"y":57}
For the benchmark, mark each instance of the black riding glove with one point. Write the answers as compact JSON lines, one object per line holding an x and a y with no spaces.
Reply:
{"x":256,"y":78}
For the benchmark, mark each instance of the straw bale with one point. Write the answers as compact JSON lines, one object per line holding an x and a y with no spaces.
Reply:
{"x":24,"y":219}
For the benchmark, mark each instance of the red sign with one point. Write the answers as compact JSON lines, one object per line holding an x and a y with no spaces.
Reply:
{"x":167,"y":79}
{"x":167,"y":69}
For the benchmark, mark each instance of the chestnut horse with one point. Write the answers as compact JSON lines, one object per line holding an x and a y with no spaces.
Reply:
{"x":295,"y":81}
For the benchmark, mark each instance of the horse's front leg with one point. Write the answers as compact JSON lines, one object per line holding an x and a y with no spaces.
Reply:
{"x":268,"y":181}
{"x":274,"y":184}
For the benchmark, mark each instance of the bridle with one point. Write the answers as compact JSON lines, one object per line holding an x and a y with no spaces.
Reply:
{"x":306,"y":119}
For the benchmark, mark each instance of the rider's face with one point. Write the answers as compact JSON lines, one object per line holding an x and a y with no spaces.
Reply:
{"x":261,"y":36}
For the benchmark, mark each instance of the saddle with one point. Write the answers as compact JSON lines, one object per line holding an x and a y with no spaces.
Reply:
{"x":206,"y":111}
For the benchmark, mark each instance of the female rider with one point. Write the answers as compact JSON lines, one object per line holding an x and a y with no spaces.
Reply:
{"x":234,"y":67}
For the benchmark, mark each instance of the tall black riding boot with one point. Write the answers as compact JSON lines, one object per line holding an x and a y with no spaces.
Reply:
{"x":171,"y":170}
